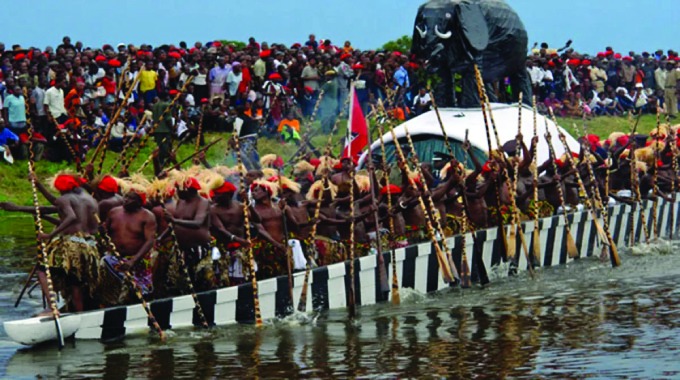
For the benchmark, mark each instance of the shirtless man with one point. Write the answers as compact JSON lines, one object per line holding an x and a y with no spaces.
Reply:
{"x":342,"y":179}
{"x":132,"y":229}
{"x":191,"y":221}
{"x":106,"y":193}
{"x":70,"y":242}
{"x":227,"y":225}
{"x":269,"y":250}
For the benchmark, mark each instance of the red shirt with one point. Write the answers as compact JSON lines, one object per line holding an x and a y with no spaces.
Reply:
{"x":245,"y":81}
{"x":109,"y":85}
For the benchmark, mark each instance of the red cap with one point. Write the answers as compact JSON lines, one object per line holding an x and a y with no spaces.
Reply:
{"x":413,"y":65}
{"x":659,"y":163}
{"x":173,"y":92}
{"x":309,"y":89}
{"x":114,"y":63}
{"x":265,"y":53}
{"x":315,"y":162}
{"x":262,"y":185}
{"x":204,"y":100}
{"x":65,"y":183}
{"x":358,"y":66}
{"x":551,"y":63}
{"x":342,"y":57}
{"x":601,"y":55}
{"x":338,"y":166}
{"x":19,"y":56}
{"x":585,"y":62}
{"x":141,"y":195}
{"x":108,"y":184}
{"x":486,"y":167}
{"x":295,"y":45}
{"x":192,"y":183}
{"x":608,"y":53}
{"x":100,"y":58}
{"x":227,"y":187}
{"x":275,"y":76}
{"x":627,"y":58}
{"x":617,"y":56}
{"x":192,"y":50}
{"x":175,"y":54}
{"x":394,"y":189}
{"x":559,"y":163}
{"x":623,"y":140}
{"x":107,"y":47}
{"x":217,"y":44}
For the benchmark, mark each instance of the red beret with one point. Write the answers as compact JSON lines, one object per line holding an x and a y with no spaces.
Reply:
{"x":623,"y":140}
{"x":19,"y":56}
{"x":309,"y":89}
{"x":114,"y":63}
{"x":358,"y":66}
{"x":315,"y":162}
{"x":142,"y":195}
{"x":140,"y":53}
{"x":554,"y":55}
{"x":262,"y":185}
{"x":413,"y":65}
{"x":627,"y":58}
{"x":394,"y":189}
{"x":345,"y":56}
{"x":275,"y":76}
{"x":192,"y":50}
{"x":608,"y":53}
{"x":108,"y":184}
{"x":204,"y":100}
{"x":397,"y":53}
{"x":227,"y":187}
{"x":551,"y":63}
{"x":105,"y":47}
{"x":265,"y":53}
{"x":296,"y":45}
{"x":617,"y":56}
{"x":175,"y":54}
{"x":601,"y":55}
{"x":65,"y":183}
{"x":586,"y":62}
{"x":338,"y":166}
{"x":100,"y":58}
{"x":559,"y":163}
{"x":173,"y":92}
{"x":217,"y":44}
{"x":486,"y":167}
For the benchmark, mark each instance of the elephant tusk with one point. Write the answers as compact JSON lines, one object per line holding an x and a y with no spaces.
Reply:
{"x":443,"y":36}
{"x":423,"y":33}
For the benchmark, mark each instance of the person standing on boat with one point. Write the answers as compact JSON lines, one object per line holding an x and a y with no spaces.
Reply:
{"x":227,"y":225}
{"x":132,"y":229}
{"x":191,"y":221}
{"x":268,"y":247}
{"x":161,"y":193}
{"x":71,"y":247}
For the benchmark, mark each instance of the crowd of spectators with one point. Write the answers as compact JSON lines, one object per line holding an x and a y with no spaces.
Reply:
{"x":71,"y":92}
{"x":607,"y":83}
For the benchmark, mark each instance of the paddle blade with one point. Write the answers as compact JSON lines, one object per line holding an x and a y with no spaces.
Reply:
{"x":465,"y":279}
{"x":571,"y":246}
{"x":537,"y":247}
{"x":302,"y":304}
{"x":614,"y":256}
{"x":511,"y":244}
{"x":600,"y":232}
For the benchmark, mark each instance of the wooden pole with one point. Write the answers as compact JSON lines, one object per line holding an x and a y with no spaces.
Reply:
{"x":131,"y":280}
{"x":352,"y":299}
{"x":442,"y":258}
{"x":185,"y":271}
{"x":126,"y":162}
{"x":200,"y":129}
{"x":246,"y":218}
{"x":285,"y":242}
{"x":534,"y":154}
{"x":51,"y":296}
{"x":465,"y":278}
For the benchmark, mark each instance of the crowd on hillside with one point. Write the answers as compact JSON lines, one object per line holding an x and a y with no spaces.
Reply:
{"x":71,"y":92}
{"x":607,"y":83}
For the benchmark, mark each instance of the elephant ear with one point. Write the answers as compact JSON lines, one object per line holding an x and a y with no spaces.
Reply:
{"x":473,"y":25}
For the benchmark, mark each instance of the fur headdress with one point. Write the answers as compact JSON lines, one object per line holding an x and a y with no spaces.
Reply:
{"x":289,"y":184}
{"x":272,"y":188}
{"x":271,"y":161}
{"x":303,"y":167}
{"x":317,"y":186}
{"x":161,"y":188}
{"x":363,"y":182}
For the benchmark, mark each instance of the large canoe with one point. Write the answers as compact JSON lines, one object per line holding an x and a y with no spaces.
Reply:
{"x":417,"y":269}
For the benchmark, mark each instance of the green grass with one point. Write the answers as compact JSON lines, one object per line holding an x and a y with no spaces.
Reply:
{"x":15,"y":187}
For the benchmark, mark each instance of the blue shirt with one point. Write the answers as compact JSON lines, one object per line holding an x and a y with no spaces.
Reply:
{"x":16,"y":109}
{"x":401,"y":76}
{"x":5,"y":135}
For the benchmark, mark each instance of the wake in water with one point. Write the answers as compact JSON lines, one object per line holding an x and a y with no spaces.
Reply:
{"x":661,"y":248}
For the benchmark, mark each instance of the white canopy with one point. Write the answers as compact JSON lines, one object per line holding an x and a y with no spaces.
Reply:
{"x":457,"y":120}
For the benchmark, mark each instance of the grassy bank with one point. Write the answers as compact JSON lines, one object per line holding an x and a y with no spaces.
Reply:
{"x":15,"y":187}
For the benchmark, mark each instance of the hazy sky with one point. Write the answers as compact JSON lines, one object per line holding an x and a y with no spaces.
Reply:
{"x":592,"y":24}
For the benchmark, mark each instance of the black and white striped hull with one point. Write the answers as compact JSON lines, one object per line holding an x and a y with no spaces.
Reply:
{"x":417,"y":269}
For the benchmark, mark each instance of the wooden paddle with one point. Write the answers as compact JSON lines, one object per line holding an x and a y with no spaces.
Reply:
{"x":126,"y":162}
{"x":246,"y":221}
{"x":571,"y":245}
{"x":396,"y":299}
{"x":51,"y":296}
{"x":534,"y":154}
{"x":465,"y":276}
{"x":130,"y":279}
{"x":674,"y":166}
{"x":285,"y":241}
{"x":442,"y":258}
{"x":183,"y":267}
{"x":302,"y":304}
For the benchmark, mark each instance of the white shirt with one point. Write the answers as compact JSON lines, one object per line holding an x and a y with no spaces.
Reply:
{"x":536,"y":75}
{"x":54,"y":99}
{"x":233,"y":80}
{"x":422,"y":99}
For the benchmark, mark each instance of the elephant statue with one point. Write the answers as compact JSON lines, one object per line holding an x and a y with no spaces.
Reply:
{"x":450,"y":36}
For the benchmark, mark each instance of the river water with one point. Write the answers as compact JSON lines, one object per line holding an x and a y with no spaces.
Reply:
{"x":584,"y":320}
